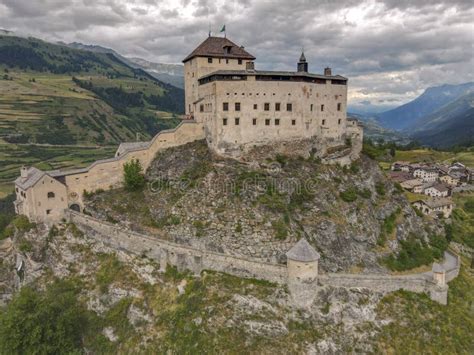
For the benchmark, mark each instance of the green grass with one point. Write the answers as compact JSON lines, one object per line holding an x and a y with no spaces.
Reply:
{"x":462,"y":227}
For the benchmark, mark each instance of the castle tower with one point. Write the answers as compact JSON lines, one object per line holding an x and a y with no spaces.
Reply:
{"x":302,"y":265}
{"x":439,"y":292}
{"x":214,"y":54}
{"x":439,"y":274}
{"x":302,"y":64}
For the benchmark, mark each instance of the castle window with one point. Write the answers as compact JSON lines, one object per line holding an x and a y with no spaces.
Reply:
{"x":237,"y":106}
{"x":311,"y":108}
{"x":50,"y":194}
{"x":267,"y":122}
{"x":227,"y":61}
{"x":225,"y":106}
{"x":293,"y":122}
{"x":237,"y":121}
{"x":255,"y":106}
{"x":48,"y":211}
{"x":322,"y":108}
{"x":201,"y":108}
{"x":277,"y":106}
{"x":339,"y":106}
{"x":209,"y":60}
{"x":277,"y":121}
{"x":224,"y":121}
{"x":324,"y":122}
{"x":239,"y":61}
{"x":266,"y":106}
{"x":254,"y":121}
{"x":339,"y":121}
{"x":289,"y":107}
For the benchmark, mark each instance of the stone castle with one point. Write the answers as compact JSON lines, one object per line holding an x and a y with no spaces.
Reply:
{"x":234,"y":107}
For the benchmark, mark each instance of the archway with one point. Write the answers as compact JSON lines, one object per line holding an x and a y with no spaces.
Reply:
{"x":75,"y":207}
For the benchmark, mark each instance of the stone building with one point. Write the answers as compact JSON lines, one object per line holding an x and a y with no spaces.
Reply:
{"x":435,"y":207}
{"x":232,"y":106}
{"x":241,"y":107}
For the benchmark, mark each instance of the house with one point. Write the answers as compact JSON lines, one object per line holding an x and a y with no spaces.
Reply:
{"x":435,"y":207}
{"x":451,"y":180}
{"x":419,"y":189}
{"x":399,"y":176}
{"x":427,"y":174}
{"x":411,"y":184}
{"x":401,"y":166}
{"x":437,"y":190}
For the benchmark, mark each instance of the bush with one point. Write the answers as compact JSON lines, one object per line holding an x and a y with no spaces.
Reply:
{"x":469,"y":206}
{"x":349,"y":195}
{"x":134,"y":179}
{"x":280,"y":228}
{"x":365,"y":193}
{"x":380,"y":188}
{"x":23,"y":224}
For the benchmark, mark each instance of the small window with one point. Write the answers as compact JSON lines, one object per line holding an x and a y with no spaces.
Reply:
{"x":240,"y":61}
{"x":237,"y":106}
{"x":277,"y":106}
{"x":266,"y":106}
{"x":277,"y":121}
{"x":225,"y":106}
{"x":201,"y":108}
{"x":209,"y":60}
{"x":339,"y":121}
{"x":50,"y":194}
{"x":254,"y":121}
{"x":48,"y":211}
{"x":224,"y":121}
{"x":324,"y":122}
{"x":255,"y":106}
{"x":322,"y":108}
{"x":237,"y":121}
{"x":311,"y":108}
{"x":289,"y":107}
{"x":293,"y":122}
{"x":227,"y":61}
{"x":267,"y":122}
{"x":339,"y":106}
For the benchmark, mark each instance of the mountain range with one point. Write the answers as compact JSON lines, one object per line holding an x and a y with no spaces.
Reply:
{"x":442,"y":116}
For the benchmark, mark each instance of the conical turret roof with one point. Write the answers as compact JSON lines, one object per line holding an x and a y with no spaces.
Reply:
{"x":303,"y":251}
{"x":302,"y":58}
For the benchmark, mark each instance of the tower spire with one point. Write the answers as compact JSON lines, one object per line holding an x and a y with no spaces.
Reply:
{"x":302,"y":64}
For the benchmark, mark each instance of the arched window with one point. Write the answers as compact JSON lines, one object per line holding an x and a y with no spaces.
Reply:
{"x":50,"y":194}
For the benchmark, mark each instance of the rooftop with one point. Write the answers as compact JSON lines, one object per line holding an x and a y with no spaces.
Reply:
{"x":303,"y":251}
{"x":219,"y":47}
{"x":436,"y":202}
{"x":33,"y":175}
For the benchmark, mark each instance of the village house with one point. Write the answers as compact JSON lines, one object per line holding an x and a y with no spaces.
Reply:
{"x":437,"y":190}
{"x":411,"y":184}
{"x":401,"y":166}
{"x":450,"y":180}
{"x":435,"y":207}
{"x":427,"y":174}
{"x":399,"y":176}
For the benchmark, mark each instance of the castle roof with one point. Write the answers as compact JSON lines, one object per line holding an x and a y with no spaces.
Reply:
{"x":303,"y":251}
{"x":219,"y":47}
{"x":272,"y":73}
{"x":33,"y":175}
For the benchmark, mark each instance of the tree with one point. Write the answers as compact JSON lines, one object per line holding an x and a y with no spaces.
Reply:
{"x":44,"y":322}
{"x":133,"y":175}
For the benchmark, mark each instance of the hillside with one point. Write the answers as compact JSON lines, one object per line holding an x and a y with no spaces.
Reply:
{"x":55,"y":95}
{"x":453,"y":124}
{"x":409,"y":115}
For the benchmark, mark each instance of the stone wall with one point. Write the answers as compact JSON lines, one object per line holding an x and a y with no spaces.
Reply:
{"x":185,"y":257}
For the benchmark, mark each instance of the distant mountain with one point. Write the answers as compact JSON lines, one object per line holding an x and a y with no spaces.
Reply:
{"x":168,"y":73}
{"x":409,"y":115}
{"x":374,"y":131}
{"x":53,"y":94}
{"x":451,"y":125}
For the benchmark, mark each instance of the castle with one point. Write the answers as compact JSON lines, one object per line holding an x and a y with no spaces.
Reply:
{"x":230,"y":104}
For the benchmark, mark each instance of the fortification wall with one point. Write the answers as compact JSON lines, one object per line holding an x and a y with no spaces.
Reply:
{"x":182,"y":256}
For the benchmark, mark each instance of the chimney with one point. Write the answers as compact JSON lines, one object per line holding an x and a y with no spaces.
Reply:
{"x":250,"y":66}
{"x":327,"y":71}
{"x":24,"y":172}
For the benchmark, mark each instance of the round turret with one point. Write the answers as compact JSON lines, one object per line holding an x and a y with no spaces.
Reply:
{"x":302,"y":262}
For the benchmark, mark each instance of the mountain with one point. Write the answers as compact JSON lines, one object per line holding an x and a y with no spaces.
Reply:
{"x":168,"y":73}
{"x":52,"y":94}
{"x":451,"y":125}
{"x":407,"y":116}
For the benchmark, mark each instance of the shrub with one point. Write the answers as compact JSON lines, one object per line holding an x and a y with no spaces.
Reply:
{"x":349,"y":195}
{"x":469,"y":206}
{"x":23,"y":224}
{"x":380,"y":188}
{"x":365,"y":193}
{"x":134,"y":179}
{"x":280,"y":228}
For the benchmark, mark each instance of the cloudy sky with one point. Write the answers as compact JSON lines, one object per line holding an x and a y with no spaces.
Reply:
{"x":390,"y":49}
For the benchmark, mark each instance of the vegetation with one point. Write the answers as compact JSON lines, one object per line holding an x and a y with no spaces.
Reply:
{"x":462,"y":227}
{"x":7,"y":212}
{"x":134,"y":179}
{"x":388,"y":227}
{"x":349,"y":195}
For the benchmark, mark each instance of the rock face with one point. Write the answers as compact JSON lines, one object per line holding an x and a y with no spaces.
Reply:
{"x":262,"y":206}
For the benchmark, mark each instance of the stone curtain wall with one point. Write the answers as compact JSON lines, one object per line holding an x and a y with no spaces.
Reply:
{"x":182,"y":256}
{"x":189,"y":258}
